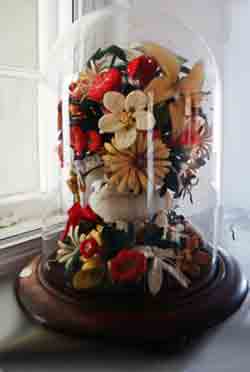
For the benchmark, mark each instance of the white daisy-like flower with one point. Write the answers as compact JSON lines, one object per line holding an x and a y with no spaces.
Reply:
{"x":127,"y":115}
{"x":163,"y":260}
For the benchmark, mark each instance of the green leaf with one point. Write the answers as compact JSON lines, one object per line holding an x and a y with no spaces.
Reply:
{"x":73,"y":265}
{"x":113,"y":50}
{"x":86,"y":226}
{"x":185,"y":70}
{"x":117,"y":52}
{"x":170,"y":182}
{"x":163,"y":118}
{"x":152,"y":234}
{"x":114,"y":240}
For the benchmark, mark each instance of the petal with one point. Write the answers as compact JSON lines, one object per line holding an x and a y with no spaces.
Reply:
{"x":155,"y":277}
{"x":193,"y":82}
{"x":114,"y":102}
{"x":109,"y":123}
{"x":136,"y":100}
{"x":177,"y":274}
{"x":144,"y":120}
{"x":124,"y":138}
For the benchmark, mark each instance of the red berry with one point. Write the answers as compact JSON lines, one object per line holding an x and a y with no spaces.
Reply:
{"x":88,"y":248}
{"x":104,"y":82}
{"x":78,"y":140}
{"x":156,"y":134}
{"x":94,"y":141}
{"x":189,"y":137}
{"x":129,"y":265}
{"x":75,"y":215}
{"x":59,"y":116}
{"x":72,"y":86}
{"x":60,"y":153}
{"x":142,"y":68}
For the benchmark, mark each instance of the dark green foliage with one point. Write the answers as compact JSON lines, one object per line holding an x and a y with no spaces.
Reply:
{"x":152,"y":234}
{"x":86,"y":226}
{"x":170,"y":182}
{"x":186,"y":70}
{"x":114,"y":240}
{"x":92,"y":113}
{"x":73,"y":265}
{"x":163,"y":119}
{"x":114,"y":50}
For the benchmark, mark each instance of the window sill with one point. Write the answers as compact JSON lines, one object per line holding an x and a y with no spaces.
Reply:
{"x":18,"y":244}
{"x":13,"y":258}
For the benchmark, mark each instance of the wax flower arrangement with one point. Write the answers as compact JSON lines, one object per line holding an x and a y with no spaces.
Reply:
{"x":139,"y":128}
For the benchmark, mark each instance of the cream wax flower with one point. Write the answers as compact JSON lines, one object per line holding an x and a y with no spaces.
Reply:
{"x":127,"y":115}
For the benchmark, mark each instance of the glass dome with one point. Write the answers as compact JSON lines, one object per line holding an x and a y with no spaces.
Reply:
{"x":135,"y":197}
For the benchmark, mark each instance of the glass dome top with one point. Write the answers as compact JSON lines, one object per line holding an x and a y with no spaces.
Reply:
{"x":138,"y":146}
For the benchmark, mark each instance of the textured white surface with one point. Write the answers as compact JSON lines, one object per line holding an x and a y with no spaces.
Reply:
{"x":18,"y":24}
{"x":19,"y":163}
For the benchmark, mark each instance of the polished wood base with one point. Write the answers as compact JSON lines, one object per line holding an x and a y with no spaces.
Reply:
{"x":132,"y":318}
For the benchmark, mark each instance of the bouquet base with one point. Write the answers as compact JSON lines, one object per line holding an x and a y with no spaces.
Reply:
{"x":127,"y":318}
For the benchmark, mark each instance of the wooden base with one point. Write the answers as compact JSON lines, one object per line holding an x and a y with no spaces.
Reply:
{"x":128,"y":318}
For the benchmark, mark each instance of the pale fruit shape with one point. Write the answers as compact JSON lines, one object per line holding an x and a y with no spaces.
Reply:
{"x":193,"y":82}
{"x":161,"y":89}
{"x":136,"y":100}
{"x":166,"y":59}
{"x":112,"y":205}
{"x":177,"y":114}
{"x":114,"y":102}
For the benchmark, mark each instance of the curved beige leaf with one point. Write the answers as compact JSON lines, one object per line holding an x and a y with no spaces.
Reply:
{"x":177,"y":274}
{"x":193,"y":82}
{"x":161,"y":89}
{"x":125,"y":138}
{"x":144,"y":120}
{"x":110,"y":123}
{"x":155,"y":277}
{"x":167,"y":60}
{"x":114,"y":102}
{"x":177,"y":114}
{"x":136,"y":101}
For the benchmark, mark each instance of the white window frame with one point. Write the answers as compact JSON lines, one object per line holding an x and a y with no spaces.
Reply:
{"x":53,"y":17}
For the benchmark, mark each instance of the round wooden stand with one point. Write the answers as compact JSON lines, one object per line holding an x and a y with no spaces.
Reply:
{"x":128,"y":318}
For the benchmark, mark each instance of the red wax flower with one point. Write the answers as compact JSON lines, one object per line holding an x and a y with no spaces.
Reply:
{"x":76,"y":214}
{"x":142,"y":68}
{"x":128,"y":266}
{"x":94,"y":141}
{"x":89,"y":214}
{"x":88,"y":248}
{"x":188,"y":138}
{"x":78,"y":140}
{"x":85,"y":141}
{"x":103,"y":83}
{"x":156,"y":134}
